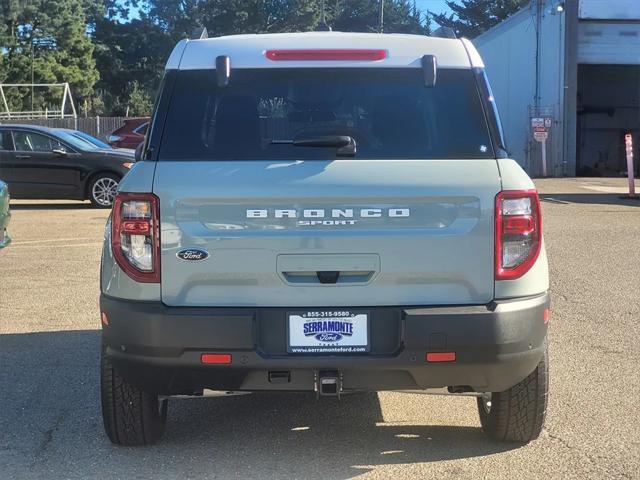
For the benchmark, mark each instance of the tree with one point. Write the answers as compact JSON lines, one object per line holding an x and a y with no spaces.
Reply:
{"x":136,"y":50}
{"x":53,"y":41}
{"x":473,"y":17}
{"x":400,"y":16}
{"x":127,"y":52}
{"x":46,"y":41}
{"x":225,"y":17}
{"x":139,"y":102}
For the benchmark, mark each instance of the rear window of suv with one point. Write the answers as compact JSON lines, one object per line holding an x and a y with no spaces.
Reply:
{"x":390,"y":114}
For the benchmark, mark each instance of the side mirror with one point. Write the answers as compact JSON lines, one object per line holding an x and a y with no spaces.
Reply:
{"x":138,"y":154}
{"x":61,"y":152}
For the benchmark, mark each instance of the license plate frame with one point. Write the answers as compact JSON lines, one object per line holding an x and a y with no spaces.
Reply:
{"x":349,"y":343}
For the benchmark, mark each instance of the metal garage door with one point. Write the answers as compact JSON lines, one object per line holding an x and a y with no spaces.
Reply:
{"x":609,"y":9}
{"x":609,"y":43}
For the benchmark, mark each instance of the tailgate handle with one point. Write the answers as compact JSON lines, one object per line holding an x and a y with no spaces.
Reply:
{"x":328,"y":269}
{"x":328,"y":277}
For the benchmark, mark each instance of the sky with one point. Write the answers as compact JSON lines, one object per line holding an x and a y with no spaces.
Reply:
{"x":436,"y":6}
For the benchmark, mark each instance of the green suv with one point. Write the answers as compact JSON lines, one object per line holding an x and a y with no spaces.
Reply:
{"x":5,"y":215}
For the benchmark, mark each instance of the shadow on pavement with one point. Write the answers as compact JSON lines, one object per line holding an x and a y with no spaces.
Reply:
{"x":52,"y":427}
{"x":592,"y":198}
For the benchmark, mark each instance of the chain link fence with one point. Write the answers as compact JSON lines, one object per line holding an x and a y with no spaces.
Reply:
{"x":99,"y":127}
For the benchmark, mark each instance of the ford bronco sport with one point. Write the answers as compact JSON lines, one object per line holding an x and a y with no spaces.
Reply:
{"x":327,"y":212}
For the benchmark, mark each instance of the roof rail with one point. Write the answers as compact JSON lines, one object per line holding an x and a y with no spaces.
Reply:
{"x":444,"y":32}
{"x":199,"y":33}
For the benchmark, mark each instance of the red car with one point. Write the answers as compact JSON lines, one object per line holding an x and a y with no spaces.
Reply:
{"x":130,"y":135}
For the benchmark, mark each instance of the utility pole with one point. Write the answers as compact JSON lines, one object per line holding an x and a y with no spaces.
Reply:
{"x":32,"y":71}
{"x":381,"y":16}
{"x":539,"y":8}
{"x":323,"y":27}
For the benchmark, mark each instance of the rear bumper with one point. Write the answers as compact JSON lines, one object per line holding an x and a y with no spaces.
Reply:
{"x":159,"y":348}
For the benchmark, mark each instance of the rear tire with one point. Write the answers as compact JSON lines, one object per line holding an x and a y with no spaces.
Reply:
{"x":518,"y":414}
{"x":131,"y":416}
{"x":102,"y":189}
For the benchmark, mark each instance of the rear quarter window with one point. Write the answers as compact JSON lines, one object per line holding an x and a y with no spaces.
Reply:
{"x":390,"y":113}
{"x":6,"y":142}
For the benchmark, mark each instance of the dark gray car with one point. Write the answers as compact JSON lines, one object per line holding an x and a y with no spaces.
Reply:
{"x":44,"y":163}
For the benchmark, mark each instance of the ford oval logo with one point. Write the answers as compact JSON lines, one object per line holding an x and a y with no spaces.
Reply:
{"x":192,"y":254}
{"x":328,"y":337}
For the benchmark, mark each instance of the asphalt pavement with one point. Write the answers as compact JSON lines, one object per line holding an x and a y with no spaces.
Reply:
{"x":50,"y":420}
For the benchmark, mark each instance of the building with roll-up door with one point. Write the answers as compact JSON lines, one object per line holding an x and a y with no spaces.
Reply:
{"x":570,"y":72}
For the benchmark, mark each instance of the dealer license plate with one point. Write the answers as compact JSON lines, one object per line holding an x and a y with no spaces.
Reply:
{"x":328,"y":331}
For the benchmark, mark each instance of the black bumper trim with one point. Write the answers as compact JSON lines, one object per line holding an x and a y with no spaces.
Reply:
{"x":159,"y":347}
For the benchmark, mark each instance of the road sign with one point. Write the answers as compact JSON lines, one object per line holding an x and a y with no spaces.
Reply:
{"x":540,"y":133}
{"x":541,"y":124}
{"x":537,"y":122}
{"x":540,"y":136}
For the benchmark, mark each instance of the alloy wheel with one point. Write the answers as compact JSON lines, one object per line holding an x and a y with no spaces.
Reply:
{"x":104,"y":191}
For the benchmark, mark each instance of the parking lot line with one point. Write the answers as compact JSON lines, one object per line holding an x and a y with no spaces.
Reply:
{"x":51,"y":240}
{"x":58,"y":245}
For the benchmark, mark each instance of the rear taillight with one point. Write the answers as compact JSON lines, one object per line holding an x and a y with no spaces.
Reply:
{"x":518,"y":232}
{"x":135,"y":235}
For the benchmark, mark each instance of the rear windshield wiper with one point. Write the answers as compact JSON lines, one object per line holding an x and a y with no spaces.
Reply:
{"x":345,"y":144}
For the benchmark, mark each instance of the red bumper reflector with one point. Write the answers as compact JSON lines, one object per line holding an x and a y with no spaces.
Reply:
{"x":546,"y":315}
{"x":215,"y":358}
{"x":441,"y":356}
{"x":350,"y":54}
{"x":105,"y":319}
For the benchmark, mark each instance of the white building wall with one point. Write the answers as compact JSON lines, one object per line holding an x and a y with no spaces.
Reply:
{"x":509,"y":52}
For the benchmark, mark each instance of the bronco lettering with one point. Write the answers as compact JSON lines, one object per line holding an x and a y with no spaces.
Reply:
{"x":318,"y":213}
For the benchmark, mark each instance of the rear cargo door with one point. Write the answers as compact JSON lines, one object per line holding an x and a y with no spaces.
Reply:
{"x":261,"y":204}
{"x":396,"y":233}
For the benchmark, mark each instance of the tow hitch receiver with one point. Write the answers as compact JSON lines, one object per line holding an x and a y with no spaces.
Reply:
{"x":328,"y":383}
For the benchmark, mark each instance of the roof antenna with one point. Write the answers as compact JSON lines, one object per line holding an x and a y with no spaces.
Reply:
{"x":444,"y":32}
{"x":323,"y":27}
{"x":199,"y":33}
